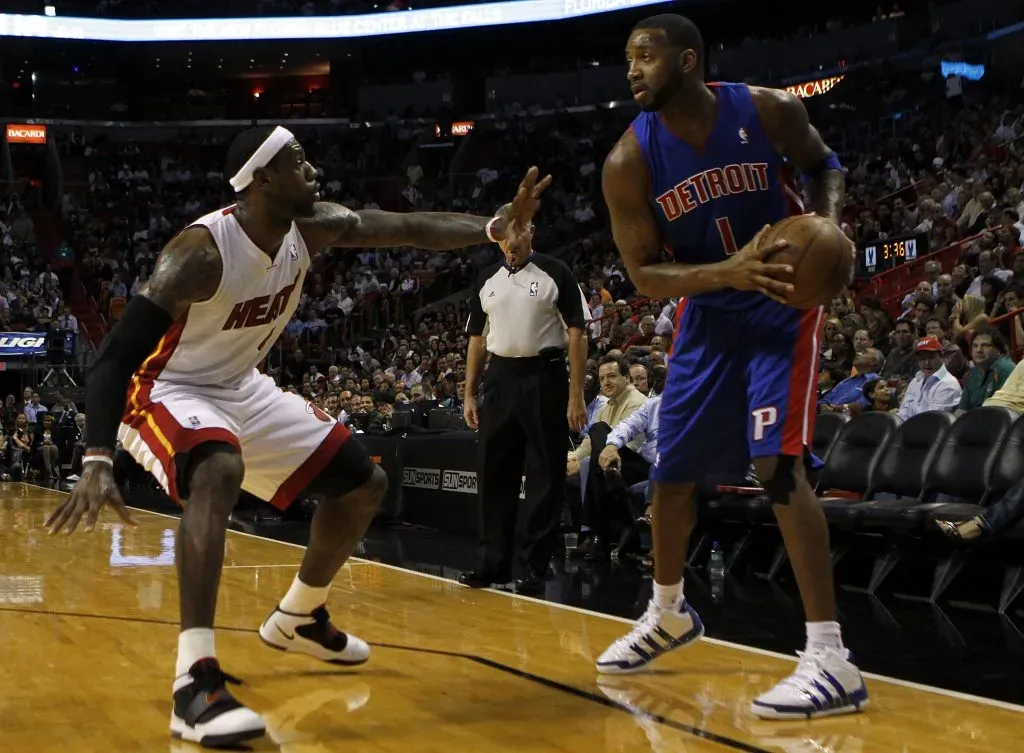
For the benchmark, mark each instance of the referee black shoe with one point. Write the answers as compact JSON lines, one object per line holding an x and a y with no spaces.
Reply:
{"x":205,"y":712}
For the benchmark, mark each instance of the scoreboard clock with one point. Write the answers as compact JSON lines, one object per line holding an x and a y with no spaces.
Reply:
{"x":875,"y":257}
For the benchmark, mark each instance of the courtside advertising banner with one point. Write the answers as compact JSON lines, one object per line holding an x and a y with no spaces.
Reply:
{"x":14,"y":344}
{"x":307,"y":27}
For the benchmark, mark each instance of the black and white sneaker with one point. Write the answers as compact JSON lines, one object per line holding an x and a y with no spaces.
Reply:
{"x":205,"y":712}
{"x":314,"y":635}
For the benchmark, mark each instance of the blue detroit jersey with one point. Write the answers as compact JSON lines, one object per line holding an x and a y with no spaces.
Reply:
{"x":710,"y":202}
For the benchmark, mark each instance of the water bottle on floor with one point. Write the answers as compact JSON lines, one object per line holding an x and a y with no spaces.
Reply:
{"x":716,"y":572}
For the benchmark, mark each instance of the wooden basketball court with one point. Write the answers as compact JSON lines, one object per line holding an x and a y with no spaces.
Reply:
{"x":89,"y":625}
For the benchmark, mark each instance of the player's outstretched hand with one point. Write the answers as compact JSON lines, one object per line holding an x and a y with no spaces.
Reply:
{"x":747,"y":270}
{"x":527,"y":199}
{"x":518,"y":230}
{"x":95,"y":489}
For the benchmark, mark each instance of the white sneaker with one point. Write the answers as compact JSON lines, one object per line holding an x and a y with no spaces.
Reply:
{"x":658,"y":631}
{"x":825,"y":683}
{"x":314,"y":635}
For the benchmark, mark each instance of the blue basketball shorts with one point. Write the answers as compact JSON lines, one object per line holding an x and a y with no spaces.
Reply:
{"x":741,"y":385}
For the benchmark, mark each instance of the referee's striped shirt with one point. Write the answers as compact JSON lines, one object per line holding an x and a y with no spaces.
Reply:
{"x":520,"y":312}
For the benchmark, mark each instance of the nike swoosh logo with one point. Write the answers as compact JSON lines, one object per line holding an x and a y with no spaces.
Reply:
{"x":289,"y":637}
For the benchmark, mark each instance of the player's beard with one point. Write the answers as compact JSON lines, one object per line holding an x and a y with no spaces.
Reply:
{"x":306,"y":207}
{"x":665,"y":93}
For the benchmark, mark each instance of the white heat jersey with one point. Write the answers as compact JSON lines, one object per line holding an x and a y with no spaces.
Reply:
{"x":220,"y":341}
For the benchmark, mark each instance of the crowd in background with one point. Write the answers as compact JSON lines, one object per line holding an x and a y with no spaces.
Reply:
{"x":367,"y":329}
{"x":379,"y":329}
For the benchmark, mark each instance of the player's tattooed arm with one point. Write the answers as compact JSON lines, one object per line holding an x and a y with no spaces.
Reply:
{"x":432,"y":231}
{"x":334,"y":225}
{"x":187,"y":271}
{"x":786,"y":123}
{"x":338,"y":226}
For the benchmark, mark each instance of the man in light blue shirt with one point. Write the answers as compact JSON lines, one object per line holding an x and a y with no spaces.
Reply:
{"x":644,"y":422}
{"x":933,"y":388}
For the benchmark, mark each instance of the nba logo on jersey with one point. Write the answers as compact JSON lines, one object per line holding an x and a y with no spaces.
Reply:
{"x":534,"y":288}
{"x":744,"y":138}
{"x":194,"y":421}
{"x":293,"y":252}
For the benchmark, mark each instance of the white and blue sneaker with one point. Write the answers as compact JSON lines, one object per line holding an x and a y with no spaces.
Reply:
{"x":658,"y":631}
{"x":826,"y":682}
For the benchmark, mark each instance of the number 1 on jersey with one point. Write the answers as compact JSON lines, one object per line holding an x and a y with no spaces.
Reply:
{"x":728,"y":239}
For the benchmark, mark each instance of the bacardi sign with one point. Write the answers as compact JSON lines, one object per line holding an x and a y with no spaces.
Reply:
{"x":814,"y":88}
{"x":26,"y":134}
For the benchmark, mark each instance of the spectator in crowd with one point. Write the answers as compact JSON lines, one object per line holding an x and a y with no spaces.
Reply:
{"x":901,"y":361}
{"x":20,"y":447}
{"x":10,"y":413}
{"x":933,"y":387}
{"x":34,"y":409}
{"x":878,"y":396}
{"x":990,"y":369}
{"x":623,"y":400}
{"x":639,"y":374}
{"x":45,"y":451}
{"x":848,"y":395}
{"x":625,"y":468}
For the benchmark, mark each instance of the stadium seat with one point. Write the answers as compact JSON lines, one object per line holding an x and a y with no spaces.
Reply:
{"x":852,"y":459}
{"x":981,"y":457}
{"x":903,"y":470}
{"x":826,"y":429}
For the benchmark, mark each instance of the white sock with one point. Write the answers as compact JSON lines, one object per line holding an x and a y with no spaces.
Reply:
{"x":303,"y":599}
{"x":668,"y":596}
{"x":193,"y":644}
{"x":825,"y":634}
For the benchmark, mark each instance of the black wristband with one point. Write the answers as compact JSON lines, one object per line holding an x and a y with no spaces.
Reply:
{"x":134,"y":337}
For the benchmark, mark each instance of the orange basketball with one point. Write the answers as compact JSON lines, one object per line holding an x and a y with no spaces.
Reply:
{"x":819,"y":254}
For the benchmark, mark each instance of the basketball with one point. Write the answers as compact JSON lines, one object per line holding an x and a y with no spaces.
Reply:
{"x":819,"y":254}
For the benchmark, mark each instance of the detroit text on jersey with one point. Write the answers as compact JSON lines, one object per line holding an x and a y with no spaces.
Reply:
{"x":712,"y":184}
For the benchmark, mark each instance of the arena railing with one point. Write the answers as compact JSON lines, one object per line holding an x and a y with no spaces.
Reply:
{"x":909,"y":276}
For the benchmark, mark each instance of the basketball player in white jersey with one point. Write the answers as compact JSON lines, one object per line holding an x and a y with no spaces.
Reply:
{"x":205,"y":423}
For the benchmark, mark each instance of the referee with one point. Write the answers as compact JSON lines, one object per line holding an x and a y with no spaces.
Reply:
{"x":526,"y":312}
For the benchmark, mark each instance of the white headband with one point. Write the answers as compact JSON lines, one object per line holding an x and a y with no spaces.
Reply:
{"x":261,"y":157}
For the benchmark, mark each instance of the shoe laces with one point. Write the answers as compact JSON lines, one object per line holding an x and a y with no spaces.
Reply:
{"x":208,"y":675}
{"x":808,"y":669}
{"x":644,"y":625}
{"x":334,"y":639}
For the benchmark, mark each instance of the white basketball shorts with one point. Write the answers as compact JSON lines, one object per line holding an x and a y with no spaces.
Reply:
{"x":284,"y":441}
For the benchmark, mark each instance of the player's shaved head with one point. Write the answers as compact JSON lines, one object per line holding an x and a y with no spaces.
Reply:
{"x":679,"y":31}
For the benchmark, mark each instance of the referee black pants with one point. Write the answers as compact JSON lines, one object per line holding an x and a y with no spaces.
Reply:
{"x":523,"y":425}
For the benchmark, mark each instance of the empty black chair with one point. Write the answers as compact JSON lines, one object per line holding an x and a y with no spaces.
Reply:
{"x":1008,"y":464}
{"x":826,"y":429}
{"x":903,"y":470}
{"x":981,"y":458}
{"x":853,"y":456}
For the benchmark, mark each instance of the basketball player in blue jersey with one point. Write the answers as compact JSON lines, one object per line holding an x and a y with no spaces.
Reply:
{"x":701,"y":171}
